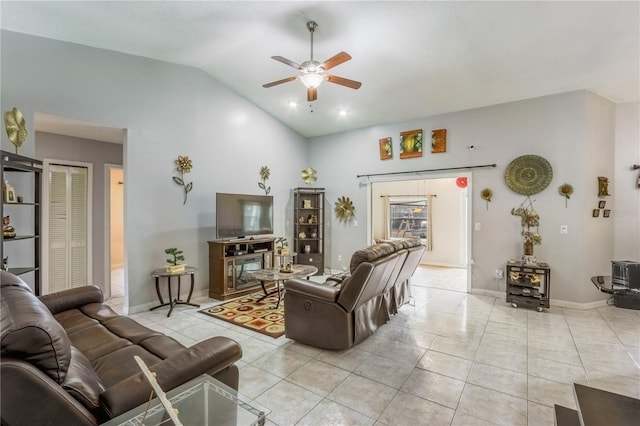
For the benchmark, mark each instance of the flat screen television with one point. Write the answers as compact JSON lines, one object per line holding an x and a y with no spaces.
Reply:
{"x":243,"y":215}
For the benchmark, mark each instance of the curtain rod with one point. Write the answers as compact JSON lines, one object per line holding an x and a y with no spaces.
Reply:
{"x":430,"y":170}
{"x":410,"y":195}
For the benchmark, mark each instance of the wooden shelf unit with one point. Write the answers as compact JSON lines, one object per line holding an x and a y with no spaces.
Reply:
{"x":24,"y":174}
{"x":230,"y":264}
{"x":308,"y":230}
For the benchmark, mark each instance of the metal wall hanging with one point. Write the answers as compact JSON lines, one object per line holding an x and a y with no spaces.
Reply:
{"x":528,"y":174}
{"x":486,"y":195}
{"x":344,"y":209}
{"x":183,"y":165}
{"x":411,"y":144}
{"x":603,"y":186}
{"x":309,"y":175}
{"x":16,"y":128}
{"x":264,"y":175}
{"x":565,"y":190}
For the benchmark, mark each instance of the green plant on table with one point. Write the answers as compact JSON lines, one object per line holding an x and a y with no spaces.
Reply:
{"x":177,"y":256}
{"x":281,"y":243}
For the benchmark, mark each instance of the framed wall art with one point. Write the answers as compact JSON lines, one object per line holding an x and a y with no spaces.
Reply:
{"x":596,"y":212}
{"x":601,"y":204}
{"x":606,"y":213}
{"x":438,"y":141}
{"x":385,"y":148}
{"x":411,"y":144}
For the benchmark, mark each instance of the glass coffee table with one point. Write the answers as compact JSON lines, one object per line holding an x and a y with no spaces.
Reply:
{"x":280,"y":275}
{"x":201,"y":401}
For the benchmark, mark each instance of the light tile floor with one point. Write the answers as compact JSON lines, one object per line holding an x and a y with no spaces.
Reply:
{"x":452,"y":359}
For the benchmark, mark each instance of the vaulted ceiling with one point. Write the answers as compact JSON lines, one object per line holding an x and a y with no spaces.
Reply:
{"x":414,"y":59}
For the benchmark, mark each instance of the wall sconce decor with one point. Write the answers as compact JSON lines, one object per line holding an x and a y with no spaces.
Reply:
{"x":603,"y":186}
{"x":183,"y":165}
{"x":565,"y":190}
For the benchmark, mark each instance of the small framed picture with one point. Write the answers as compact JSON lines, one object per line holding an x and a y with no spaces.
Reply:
{"x":10,"y":195}
{"x":606,"y":213}
{"x":306,"y":204}
{"x":596,"y":212}
{"x":601,"y":204}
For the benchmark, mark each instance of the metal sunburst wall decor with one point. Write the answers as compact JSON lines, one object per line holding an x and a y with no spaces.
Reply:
{"x":344,"y":209}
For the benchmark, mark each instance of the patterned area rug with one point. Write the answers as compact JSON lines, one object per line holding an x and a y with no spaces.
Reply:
{"x":247,"y":312}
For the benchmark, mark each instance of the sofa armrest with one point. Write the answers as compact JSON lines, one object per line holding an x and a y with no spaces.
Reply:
{"x":206,"y":357}
{"x":312,"y":289}
{"x":72,"y":298}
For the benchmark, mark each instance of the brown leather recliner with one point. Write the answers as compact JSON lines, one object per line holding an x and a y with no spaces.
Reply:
{"x":344,"y":311}
{"x":67,"y":358}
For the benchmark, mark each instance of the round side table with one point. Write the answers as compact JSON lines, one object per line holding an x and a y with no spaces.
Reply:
{"x":162,"y":273}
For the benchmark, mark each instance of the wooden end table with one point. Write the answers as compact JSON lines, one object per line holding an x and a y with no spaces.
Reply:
{"x":162,"y":273}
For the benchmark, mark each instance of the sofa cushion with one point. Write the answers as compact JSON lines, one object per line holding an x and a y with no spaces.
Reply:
{"x":96,"y":341}
{"x":74,"y":320}
{"x":29,"y":332}
{"x":119,"y":365}
{"x":82,"y":382}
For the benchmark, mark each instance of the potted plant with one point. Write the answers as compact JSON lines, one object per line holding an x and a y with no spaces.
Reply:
{"x":529,"y":220}
{"x":174,"y":266}
{"x":281,"y":245}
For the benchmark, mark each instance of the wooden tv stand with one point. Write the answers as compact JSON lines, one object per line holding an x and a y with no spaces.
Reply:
{"x":230,"y":264}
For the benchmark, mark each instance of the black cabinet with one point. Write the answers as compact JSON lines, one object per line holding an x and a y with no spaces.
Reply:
{"x":22,"y":251}
{"x":308,"y":233}
{"x":528,"y":285}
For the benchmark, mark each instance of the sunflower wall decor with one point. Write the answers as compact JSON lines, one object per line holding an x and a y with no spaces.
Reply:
{"x":309,"y":175}
{"x":344,"y":209}
{"x":16,"y":128}
{"x":264,"y":175}
{"x":486,"y":195}
{"x":565,"y":190}
{"x":183,"y":165}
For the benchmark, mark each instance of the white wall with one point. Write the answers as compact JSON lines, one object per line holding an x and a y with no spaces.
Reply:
{"x":573,"y":131}
{"x":168,"y":110}
{"x":626,"y":191}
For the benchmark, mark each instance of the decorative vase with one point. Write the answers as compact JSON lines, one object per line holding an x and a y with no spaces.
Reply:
{"x":528,"y":248}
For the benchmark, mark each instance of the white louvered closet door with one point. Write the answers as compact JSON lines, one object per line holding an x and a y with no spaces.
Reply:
{"x":68,"y":194}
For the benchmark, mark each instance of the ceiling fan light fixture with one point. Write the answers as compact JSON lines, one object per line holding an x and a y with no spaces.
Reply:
{"x":311,"y":80}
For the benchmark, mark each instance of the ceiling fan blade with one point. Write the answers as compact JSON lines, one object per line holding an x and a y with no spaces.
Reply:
{"x":275,"y":83}
{"x":344,"y":81}
{"x":286,"y":62}
{"x":336,"y":60}
{"x":312,"y":94}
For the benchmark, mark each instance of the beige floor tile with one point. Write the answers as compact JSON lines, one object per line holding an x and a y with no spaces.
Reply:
{"x":407,"y":409}
{"x":499,"y":379}
{"x":385,"y":370}
{"x":445,"y":364}
{"x":503,"y":357}
{"x":254,"y":381}
{"x":318,"y":377}
{"x":493,"y":406}
{"x":557,"y":371}
{"x":349,"y":359}
{"x":331,"y":413}
{"x":464,"y":419}
{"x":253,"y":349}
{"x":434,"y":387}
{"x":457,"y":347}
{"x":281,"y":362}
{"x":628,"y":385}
{"x":363,"y":395}
{"x":288,"y":403}
{"x":548,"y":393}
{"x":540,"y":415}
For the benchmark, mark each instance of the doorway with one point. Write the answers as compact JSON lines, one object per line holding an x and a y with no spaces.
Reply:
{"x":114,"y":238}
{"x":446,"y":262}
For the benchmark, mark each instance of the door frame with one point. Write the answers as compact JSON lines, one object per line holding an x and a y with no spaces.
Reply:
{"x":107,"y":224}
{"x":465,"y":220}
{"x":46,"y":181}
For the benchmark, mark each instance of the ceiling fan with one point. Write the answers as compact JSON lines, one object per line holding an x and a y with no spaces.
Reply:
{"x":314,"y":72}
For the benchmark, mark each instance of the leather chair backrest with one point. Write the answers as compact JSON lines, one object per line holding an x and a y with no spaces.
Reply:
{"x":414,"y":255}
{"x":368,"y":280}
{"x":28,"y":331}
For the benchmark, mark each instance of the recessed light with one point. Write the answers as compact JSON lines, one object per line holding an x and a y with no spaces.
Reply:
{"x":293,"y":104}
{"x":343,"y":113}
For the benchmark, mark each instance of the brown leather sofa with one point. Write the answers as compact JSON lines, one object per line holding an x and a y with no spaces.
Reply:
{"x":348,"y":308}
{"x":67,"y":358}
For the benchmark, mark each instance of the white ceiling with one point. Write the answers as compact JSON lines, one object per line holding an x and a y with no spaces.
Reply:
{"x":414,"y":59}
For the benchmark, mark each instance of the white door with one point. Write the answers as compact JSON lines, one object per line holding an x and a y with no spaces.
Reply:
{"x":68,"y":227}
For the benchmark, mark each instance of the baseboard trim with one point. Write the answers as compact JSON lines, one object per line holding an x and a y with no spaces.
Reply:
{"x":554,"y":302}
